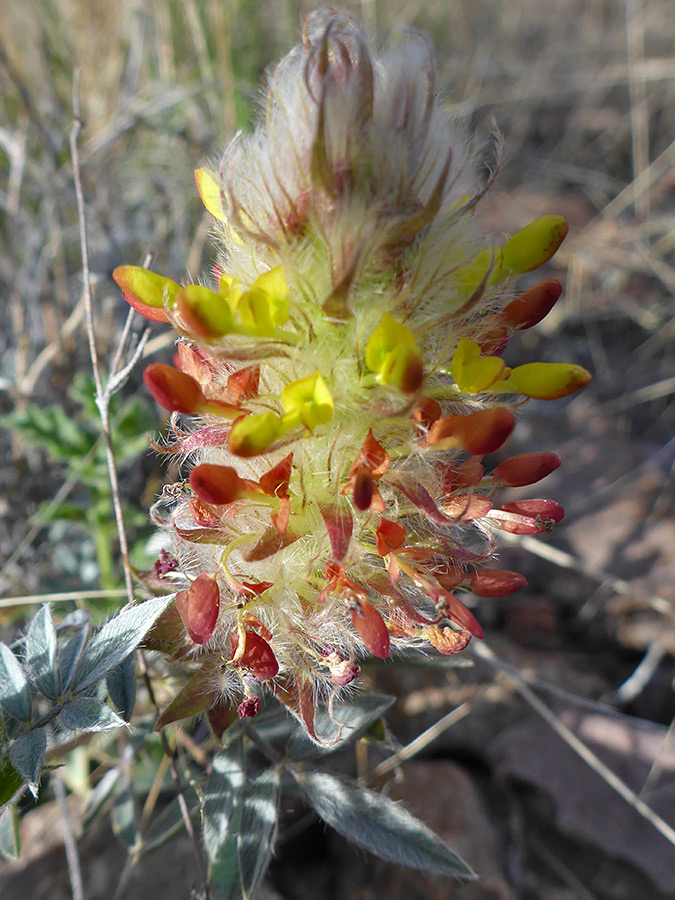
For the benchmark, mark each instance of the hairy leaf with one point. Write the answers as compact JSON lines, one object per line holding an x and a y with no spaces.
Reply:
{"x":41,"y":653}
{"x":257,"y":831}
{"x":121,"y":685}
{"x":89,"y":714}
{"x":380,"y":825}
{"x":116,"y":639}
{"x":70,"y":655}
{"x":14,"y":690}
{"x":222,"y":812}
{"x":27,"y":754}
{"x":225,"y":782}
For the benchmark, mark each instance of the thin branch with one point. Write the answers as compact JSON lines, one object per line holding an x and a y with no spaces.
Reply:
{"x":74,"y":596}
{"x":69,"y":842}
{"x":102,"y":397}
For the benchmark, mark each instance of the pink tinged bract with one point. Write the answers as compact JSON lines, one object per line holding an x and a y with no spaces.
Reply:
{"x":254,"y":654}
{"x":198,"y":607}
{"x":370,"y":627}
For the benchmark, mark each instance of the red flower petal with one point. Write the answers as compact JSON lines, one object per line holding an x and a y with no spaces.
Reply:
{"x":536,"y":509}
{"x":255,"y":655}
{"x":371,"y":628}
{"x":275,"y":482}
{"x":372,"y":457}
{"x":467,"y":474}
{"x":389,"y":536}
{"x":339,"y":524}
{"x":479,"y":433}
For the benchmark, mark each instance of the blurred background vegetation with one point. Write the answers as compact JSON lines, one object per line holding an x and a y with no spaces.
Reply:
{"x":584,"y":93}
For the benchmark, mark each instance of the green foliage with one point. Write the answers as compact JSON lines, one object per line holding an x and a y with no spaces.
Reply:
{"x":74,"y":438}
{"x":53,"y":687}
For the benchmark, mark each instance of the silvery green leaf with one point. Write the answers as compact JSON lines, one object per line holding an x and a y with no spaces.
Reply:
{"x":27,"y":754}
{"x":100,"y":794}
{"x":352,"y":718}
{"x":222,"y":821}
{"x":121,"y":685}
{"x":170,"y":821}
{"x":116,"y":639}
{"x":41,"y":653}
{"x":377,"y":823}
{"x":257,"y":830}
{"x":89,"y":714}
{"x":240,"y":862}
{"x":225,"y":782}
{"x":10,"y":840}
{"x":14,"y":690}
{"x":70,"y":656}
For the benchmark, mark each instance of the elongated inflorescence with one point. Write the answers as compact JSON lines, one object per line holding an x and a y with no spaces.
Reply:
{"x":343,"y":381}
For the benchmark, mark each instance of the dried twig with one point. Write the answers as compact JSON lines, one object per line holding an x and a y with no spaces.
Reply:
{"x":69,"y":842}
{"x":103,"y":395}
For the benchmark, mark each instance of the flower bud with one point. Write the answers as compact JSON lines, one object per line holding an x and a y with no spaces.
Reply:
{"x":148,"y":293}
{"x":526,"y":468}
{"x":545,"y":381}
{"x":496,"y":582}
{"x":371,"y":628}
{"x":533,"y":305}
{"x":174,"y":390}
{"x":203,"y":312}
{"x":252,"y":435}
{"x":215,"y":484}
{"x":534,"y":245}
{"x":478,"y":433}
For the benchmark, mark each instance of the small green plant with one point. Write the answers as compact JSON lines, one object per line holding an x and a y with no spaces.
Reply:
{"x":74,"y":439}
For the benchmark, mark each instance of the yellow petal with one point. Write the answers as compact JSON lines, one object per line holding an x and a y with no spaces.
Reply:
{"x":393,"y":355}
{"x":208,"y":187}
{"x":204,"y":312}
{"x":252,"y":435}
{"x":308,"y":402}
{"x":485,"y":266}
{"x":472,"y":372}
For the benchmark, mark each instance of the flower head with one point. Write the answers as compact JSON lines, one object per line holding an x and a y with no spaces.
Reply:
{"x":344,"y":376}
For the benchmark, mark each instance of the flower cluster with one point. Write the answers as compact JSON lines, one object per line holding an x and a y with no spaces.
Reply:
{"x":343,"y":374}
